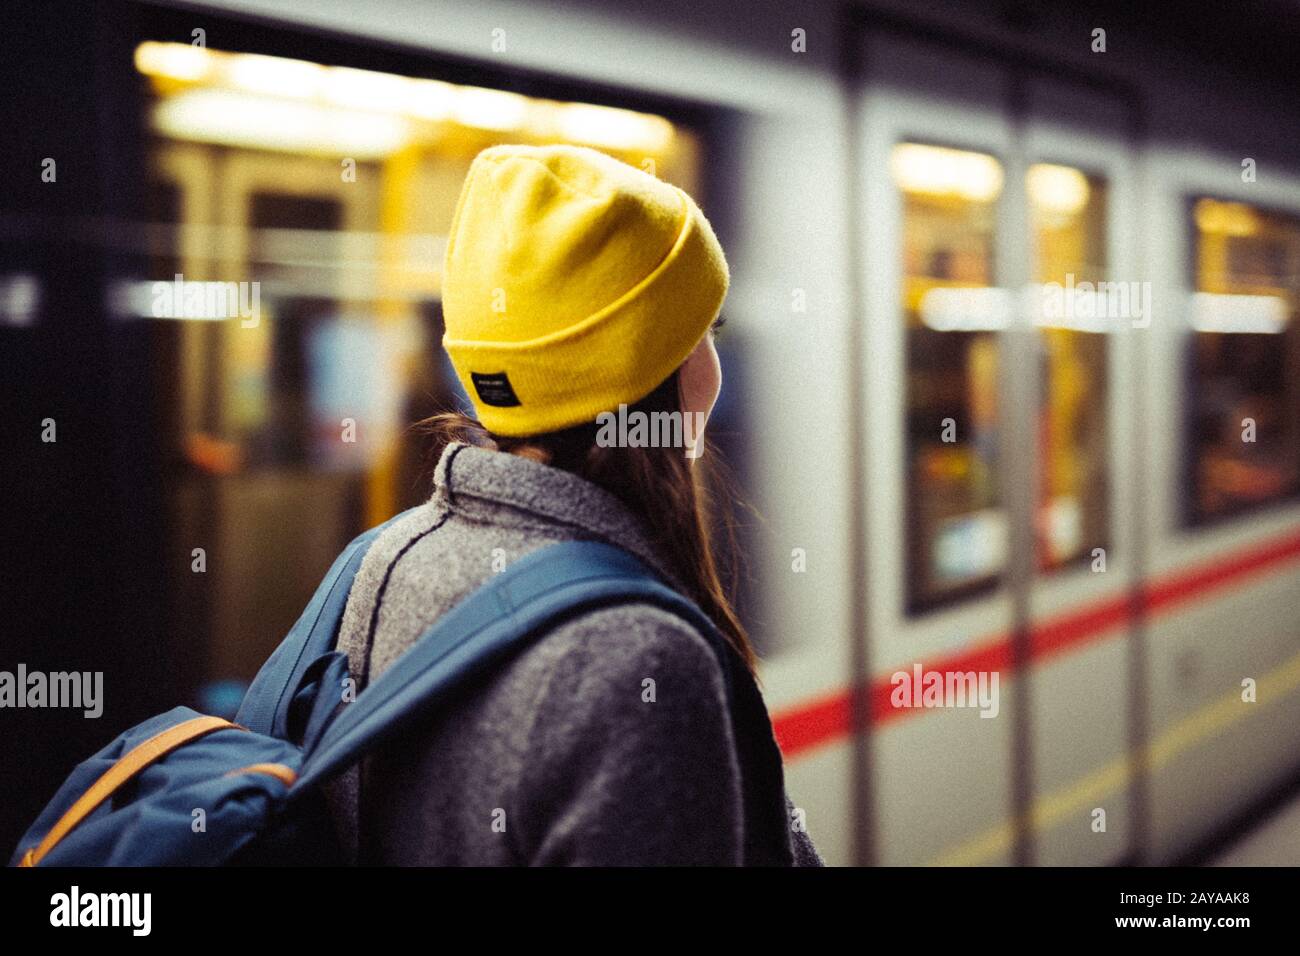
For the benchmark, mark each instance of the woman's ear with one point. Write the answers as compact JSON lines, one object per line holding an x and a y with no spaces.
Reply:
{"x":699,"y":380}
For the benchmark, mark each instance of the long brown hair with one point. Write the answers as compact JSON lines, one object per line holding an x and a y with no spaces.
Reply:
{"x":682,"y":502}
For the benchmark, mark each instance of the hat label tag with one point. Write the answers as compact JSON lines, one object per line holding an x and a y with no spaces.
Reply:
{"x":494,"y":389}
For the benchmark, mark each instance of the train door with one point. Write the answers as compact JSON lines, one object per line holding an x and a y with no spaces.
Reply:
{"x":997,"y":520}
{"x":1090,"y":306}
{"x":274,"y":213}
{"x":936,"y":139}
{"x":245,"y":409}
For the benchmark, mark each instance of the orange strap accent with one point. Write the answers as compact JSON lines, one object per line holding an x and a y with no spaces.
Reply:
{"x":136,"y":760}
{"x":286,"y":775}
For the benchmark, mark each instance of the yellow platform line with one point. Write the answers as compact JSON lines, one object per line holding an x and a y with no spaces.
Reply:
{"x":1087,"y":790}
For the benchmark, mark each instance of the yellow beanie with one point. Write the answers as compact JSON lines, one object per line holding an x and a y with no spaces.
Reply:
{"x":573,"y":282}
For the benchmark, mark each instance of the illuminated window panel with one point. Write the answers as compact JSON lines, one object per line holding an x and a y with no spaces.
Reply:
{"x":330,"y":190}
{"x":1068,"y":211}
{"x":333,"y":189}
{"x":956,"y":537}
{"x":1243,"y":385}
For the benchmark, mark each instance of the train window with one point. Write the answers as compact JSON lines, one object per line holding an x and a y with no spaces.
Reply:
{"x":328,"y":192}
{"x":1068,"y":221}
{"x":330,"y":189}
{"x":956,"y":536}
{"x":1243,"y":430}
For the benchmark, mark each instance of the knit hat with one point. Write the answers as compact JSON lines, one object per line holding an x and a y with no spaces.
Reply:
{"x":573,"y":283}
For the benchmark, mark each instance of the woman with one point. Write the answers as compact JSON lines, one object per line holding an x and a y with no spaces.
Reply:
{"x":573,"y":284}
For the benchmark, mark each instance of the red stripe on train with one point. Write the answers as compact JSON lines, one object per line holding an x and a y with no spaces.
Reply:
{"x":826,"y":719}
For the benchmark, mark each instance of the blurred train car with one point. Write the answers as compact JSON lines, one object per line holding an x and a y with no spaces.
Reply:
{"x":1089,"y":490}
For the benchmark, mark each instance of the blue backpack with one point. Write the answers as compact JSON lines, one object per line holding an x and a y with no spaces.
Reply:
{"x":187,"y":789}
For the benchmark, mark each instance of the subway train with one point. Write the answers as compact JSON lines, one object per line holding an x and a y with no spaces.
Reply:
{"x":1011,"y":371}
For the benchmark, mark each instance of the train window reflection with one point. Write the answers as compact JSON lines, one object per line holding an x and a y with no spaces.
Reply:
{"x":1068,"y":221}
{"x":956,"y":527}
{"x":1244,"y":362}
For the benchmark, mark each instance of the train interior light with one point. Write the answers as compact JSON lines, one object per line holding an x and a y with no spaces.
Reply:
{"x":271,"y":102}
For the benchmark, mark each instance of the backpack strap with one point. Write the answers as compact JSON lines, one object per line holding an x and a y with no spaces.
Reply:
{"x":265,"y":707}
{"x":532,"y":596}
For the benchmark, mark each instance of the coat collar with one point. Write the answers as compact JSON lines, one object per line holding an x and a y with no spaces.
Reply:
{"x":499,"y":487}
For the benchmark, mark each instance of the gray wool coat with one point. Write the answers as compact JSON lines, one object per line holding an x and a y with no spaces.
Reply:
{"x":553,"y":758}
